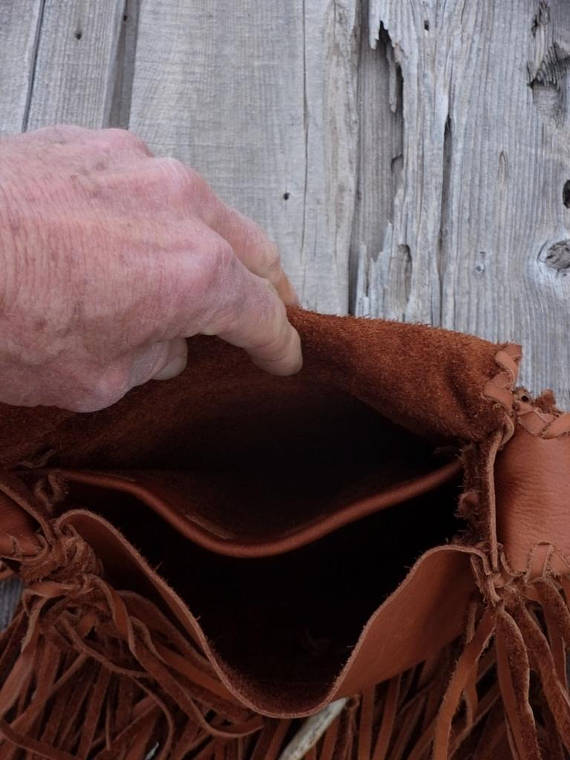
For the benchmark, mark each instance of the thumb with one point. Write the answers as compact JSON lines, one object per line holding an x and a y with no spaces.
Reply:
{"x":161,"y":361}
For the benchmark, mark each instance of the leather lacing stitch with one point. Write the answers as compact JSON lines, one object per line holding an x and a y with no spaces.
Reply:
{"x":542,"y":422}
{"x":499,"y":388}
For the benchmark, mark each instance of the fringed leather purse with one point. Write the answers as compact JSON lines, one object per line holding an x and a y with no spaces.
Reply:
{"x":381,"y":542}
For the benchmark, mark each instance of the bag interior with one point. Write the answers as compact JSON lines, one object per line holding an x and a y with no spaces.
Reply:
{"x":288,"y":621}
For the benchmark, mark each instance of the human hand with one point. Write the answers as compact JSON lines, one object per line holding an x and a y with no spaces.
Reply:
{"x":111,"y":258}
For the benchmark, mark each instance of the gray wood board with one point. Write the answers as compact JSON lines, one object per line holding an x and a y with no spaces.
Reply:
{"x":75,"y":69}
{"x":20,"y":22}
{"x":479,"y":225}
{"x":125,"y":63}
{"x":260,"y":98}
{"x":421,"y":180}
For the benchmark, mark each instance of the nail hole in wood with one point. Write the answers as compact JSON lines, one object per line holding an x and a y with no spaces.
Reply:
{"x":480,"y":263}
{"x":566,"y":194}
{"x":78,"y":35}
{"x":426,"y":25}
{"x":286,"y":196}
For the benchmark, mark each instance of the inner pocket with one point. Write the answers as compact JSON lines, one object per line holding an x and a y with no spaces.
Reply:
{"x":254,"y":472}
{"x":287,"y":621}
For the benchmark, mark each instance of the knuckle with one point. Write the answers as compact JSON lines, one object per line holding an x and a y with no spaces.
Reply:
{"x":276,"y":321}
{"x":196,"y":183}
{"x":223,"y":252}
{"x":272,"y":261}
{"x":224,"y":261}
{"x":274,"y":317}
{"x":60,"y":133}
{"x":188,"y":180}
{"x":221,"y":284}
{"x":267,"y":260}
{"x":188,"y":191}
{"x":172,"y":168}
{"x":123,"y":139}
{"x":218,"y":262}
{"x":98,"y":390}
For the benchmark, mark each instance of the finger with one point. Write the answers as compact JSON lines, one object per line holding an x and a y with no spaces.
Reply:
{"x":249,"y":242}
{"x":261,"y":327}
{"x":252,"y":246}
{"x":245,"y":310}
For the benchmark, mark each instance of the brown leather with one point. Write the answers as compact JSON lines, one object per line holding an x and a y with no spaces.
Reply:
{"x":532,"y":500}
{"x":218,"y":555}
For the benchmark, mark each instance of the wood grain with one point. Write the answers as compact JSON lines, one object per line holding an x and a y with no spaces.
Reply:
{"x":479,"y":223}
{"x":380,"y":162}
{"x":20,"y":22}
{"x":125,"y":66}
{"x":260,"y":98}
{"x":75,"y":66}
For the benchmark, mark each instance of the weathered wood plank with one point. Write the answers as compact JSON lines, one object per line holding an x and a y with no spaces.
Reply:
{"x":125,"y":66}
{"x":75,"y":68}
{"x":379,"y":174}
{"x":260,"y":98}
{"x":19,"y":29}
{"x":485,"y":159}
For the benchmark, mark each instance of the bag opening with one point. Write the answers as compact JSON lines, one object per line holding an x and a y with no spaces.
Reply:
{"x":287,"y":621}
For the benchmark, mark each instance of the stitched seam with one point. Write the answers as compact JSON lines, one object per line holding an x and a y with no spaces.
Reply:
{"x":560,"y":423}
{"x":500,"y":387}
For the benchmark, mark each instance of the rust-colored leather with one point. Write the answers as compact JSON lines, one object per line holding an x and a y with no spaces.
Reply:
{"x":532,"y":498}
{"x":219,"y":555}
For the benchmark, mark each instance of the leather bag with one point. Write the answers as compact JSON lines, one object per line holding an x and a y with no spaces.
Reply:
{"x":379,"y":542}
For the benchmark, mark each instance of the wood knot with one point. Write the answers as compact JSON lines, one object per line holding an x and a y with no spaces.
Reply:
{"x":557,"y":257}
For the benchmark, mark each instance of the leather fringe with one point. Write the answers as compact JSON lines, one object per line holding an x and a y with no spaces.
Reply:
{"x":500,"y":694}
{"x":90,"y":673}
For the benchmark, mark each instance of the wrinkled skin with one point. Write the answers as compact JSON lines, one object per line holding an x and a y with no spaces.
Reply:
{"x":111,"y":258}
